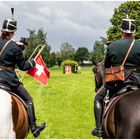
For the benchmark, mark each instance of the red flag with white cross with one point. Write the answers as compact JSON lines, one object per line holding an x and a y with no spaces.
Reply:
{"x":40,"y":71}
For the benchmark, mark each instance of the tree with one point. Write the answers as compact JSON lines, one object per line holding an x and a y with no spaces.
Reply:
{"x":67,"y":51}
{"x":35,"y":39}
{"x":82,"y":54}
{"x":98,"y":53}
{"x":114,"y":32}
{"x":59,"y":59}
{"x":52,"y":59}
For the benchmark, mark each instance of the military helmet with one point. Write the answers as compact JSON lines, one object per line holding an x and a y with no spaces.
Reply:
{"x":128,"y":25}
{"x":9,"y":25}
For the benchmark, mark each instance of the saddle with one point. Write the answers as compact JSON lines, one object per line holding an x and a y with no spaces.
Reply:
{"x":111,"y":103}
{"x":119,"y":94}
{"x":4,"y":85}
{"x":19,"y":114}
{"x":21,"y":100}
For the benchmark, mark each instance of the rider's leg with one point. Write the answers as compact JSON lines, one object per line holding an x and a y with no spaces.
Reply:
{"x":98,"y":110}
{"x":23,"y":93}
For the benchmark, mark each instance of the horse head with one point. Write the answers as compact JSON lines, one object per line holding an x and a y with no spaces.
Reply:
{"x":13,"y":117}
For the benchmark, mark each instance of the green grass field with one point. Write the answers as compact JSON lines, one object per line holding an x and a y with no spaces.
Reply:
{"x":66,"y":104}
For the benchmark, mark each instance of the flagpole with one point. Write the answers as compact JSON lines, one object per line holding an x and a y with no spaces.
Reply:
{"x":42,"y":47}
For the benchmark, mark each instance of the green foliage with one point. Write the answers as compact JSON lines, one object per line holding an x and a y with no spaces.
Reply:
{"x":98,"y":51}
{"x":71,"y":63}
{"x":66,"y":104}
{"x":35,"y":39}
{"x":59,"y":59}
{"x":52,"y":59}
{"x":67,"y":51}
{"x":114,"y":32}
{"x":81,"y":54}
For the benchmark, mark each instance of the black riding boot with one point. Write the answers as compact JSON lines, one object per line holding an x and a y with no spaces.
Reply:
{"x":98,"y":110}
{"x":98,"y":118}
{"x":32,"y":120}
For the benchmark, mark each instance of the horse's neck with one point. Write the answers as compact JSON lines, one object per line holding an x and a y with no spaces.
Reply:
{"x":101,"y":70}
{"x":6,"y":121}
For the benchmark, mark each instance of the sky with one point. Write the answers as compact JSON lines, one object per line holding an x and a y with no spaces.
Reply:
{"x":79,"y":23}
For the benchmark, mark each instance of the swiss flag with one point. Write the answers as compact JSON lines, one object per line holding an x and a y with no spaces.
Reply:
{"x":40,"y":72}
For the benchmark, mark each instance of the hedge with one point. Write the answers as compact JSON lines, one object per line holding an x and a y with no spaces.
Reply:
{"x":71,"y":63}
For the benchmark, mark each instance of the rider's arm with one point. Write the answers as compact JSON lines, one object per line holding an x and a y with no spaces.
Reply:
{"x":21,"y":62}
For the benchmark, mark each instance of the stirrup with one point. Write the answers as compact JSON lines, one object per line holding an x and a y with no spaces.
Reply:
{"x":97,"y":132}
{"x":42,"y":126}
{"x":37,"y":129}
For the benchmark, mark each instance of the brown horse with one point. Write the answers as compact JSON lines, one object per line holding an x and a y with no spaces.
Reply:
{"x":121,"y":118}
{"x":99,"y":75}
{"x":13,"y":117}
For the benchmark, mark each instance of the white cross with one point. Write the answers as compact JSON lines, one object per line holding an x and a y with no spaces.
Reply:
{"x":40,"y":69}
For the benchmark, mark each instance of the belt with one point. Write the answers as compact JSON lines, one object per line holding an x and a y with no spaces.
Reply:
{"x":7,"y":68}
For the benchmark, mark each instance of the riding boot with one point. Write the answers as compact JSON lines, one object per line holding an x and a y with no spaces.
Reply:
{"x":98,"y":111}
{"x":32,"y":120}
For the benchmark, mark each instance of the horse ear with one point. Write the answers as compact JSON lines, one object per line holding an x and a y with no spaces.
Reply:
{"x":94,"y":62}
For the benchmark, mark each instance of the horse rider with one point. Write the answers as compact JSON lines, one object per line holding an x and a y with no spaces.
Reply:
{"x":115,"y":54}
{"x":10,"y":56}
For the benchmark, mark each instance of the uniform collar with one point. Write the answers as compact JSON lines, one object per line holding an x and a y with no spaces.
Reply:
{"x":7,"y":37}
{"x":124,"y":36}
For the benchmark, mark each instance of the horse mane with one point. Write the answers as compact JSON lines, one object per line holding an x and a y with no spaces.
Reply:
{"x":101,"y":69}
{"x":99,"y":75}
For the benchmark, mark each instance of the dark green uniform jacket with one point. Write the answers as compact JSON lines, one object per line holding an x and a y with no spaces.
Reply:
{"x":12,"y":56}
{"x":116,"y":52}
